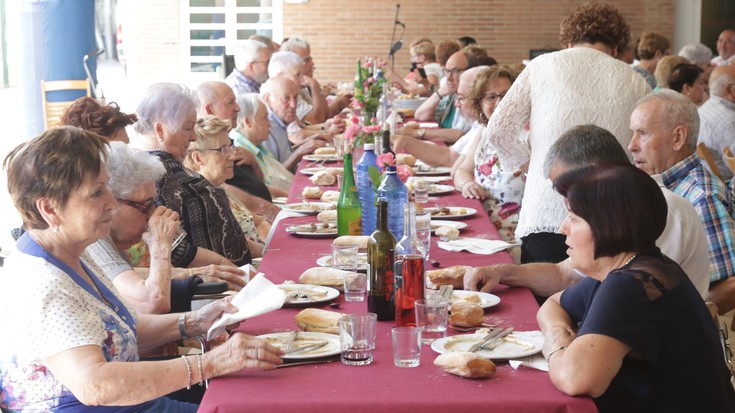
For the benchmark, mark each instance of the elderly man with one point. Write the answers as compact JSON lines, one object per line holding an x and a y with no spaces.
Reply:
{"x":717,"y":115}
{"x":683,"y":239}
{"x":665,"y":126}
{"x":725,"y":48}
{"x":280,"y":95}
{"x":436,"y":155}
{"x":312,"y":108}
{"x":251,"y":67}
{"x":217,"y":99}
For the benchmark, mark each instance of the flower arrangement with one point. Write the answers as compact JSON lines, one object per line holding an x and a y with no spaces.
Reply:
{"x":384,"y":161}
{"x":369,"y":100}
{"x":360,"y":134}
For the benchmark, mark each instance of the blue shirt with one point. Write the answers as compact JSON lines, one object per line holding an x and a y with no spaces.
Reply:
{"x":713,"y":202}
{"x":241,"y":84}
{"x":277,"y":143}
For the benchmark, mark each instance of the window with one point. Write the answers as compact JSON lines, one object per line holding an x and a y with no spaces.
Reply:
{"x":211,"y":28}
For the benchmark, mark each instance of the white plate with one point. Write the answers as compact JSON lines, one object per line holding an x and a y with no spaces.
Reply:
{"x":438,"y":189}
{"x":312,"y":209}
{"x":316,"y":294}
{"x":305,"y":230}
{"x":326,"y":261}
{"x":511,"y":347}
{"x":312,"y":171}
{"x":486,"y":300}
{"x":436,"y":223}
{"x":457,"y":212}
{"x":429,"y":179}
{"x":303,"y":339}
{"x":322,"y":158}
{"x":281,"y":200}
{"x":423,"y":170}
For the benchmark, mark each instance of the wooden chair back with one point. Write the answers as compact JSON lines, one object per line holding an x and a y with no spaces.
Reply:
{"x":52,"y":111}
{"x":729,"y":159}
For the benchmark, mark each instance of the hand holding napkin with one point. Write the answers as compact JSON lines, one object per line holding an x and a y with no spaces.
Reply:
{"x":260,"y":296}
{"x":475,"y":245}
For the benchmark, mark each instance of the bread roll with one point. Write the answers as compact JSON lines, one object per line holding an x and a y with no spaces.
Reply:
{"x":466,"y":314}
{"x":447,"y":233}
{"x":325,"y":151}
{"x":405,"y":159}
{"x":453,"y":276}
{"x":360,"y":240}
{"x":330,"y":196}
{"x":327,"y":216}
{"x":465,"y":364}
{"x":319,"y":321}
{"x":312,"y":192}
{"x":323,"y":178}
{"x":330,"y":277}
{"x":335,"y":171}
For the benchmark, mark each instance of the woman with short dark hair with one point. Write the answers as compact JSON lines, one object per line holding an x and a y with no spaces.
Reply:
{"x":688,"y":79}
{"x":634,"y":334}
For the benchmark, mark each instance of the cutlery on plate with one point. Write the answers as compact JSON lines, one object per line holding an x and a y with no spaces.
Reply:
{"x":445,"y":292}
{"x":496,"y":340}
{"x":310,"y":347}
{"x":288,"y":344}
{"x":465,"y":329}
{"x":484,"y":340}
{"x":301,"y":363}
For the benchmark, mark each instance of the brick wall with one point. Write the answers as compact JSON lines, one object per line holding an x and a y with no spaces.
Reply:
{"x":340,"y":31}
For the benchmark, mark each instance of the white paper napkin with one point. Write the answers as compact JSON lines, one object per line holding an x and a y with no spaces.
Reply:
{"x":535,"y":361}
{"x":475,"y":245}
{"x":260,"y":296}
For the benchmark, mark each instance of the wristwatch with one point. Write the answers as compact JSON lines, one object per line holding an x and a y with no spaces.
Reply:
{"x":421,"y":132}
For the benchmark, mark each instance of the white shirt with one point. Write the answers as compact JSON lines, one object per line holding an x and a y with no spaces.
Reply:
{"x":717,"y":130}
{"x":719,"y":61}
{"x":464,"y":143}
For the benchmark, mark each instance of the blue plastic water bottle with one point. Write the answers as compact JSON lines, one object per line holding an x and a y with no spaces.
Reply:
{"x":365,"y":189}
{"x":395,"y":192}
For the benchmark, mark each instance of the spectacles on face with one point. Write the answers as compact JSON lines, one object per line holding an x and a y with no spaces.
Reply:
{"x":267,"y":62}
{"x":461,"y":99}
{"x":223,"y":150}
{"x":146,"y":208}
{"x":491,"y":98}
{"x":454,"y":72}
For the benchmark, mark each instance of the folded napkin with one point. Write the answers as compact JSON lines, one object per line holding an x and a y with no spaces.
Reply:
{"x":536,"y":361}
{"x":260,"y":296}
{"x":475,"y":245}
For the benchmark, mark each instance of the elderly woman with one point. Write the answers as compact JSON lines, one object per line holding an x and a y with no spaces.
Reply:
{"x":252,"y":130}
{"x":555,"y":92}
{"x":212,"y":155}
{"x":480,"y":175}
{"x":635,"y":334}
{"x":664,"y":68}
{"x":688,"y":79}
{"x":75,"y":343}
{"x":108,"y":121}
{"x":165,"y":127}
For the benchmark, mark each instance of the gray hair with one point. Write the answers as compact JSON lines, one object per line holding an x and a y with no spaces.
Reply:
{"x":294,"y":42}
{"x":165,"y":103}
{"x":282,"y":62}
{"x":249,"y":104}
{"x":676,"y":109}
{"x":206,"y":93}
{"x":719,"y":81}
{"x":130,"y":168}
{"x":246,"y":52}
{"x":584,"y":145}
{"x":265,"y":40}
{"x":697,"y":54}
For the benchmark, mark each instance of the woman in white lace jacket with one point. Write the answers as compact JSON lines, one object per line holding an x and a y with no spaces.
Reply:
{"x":579,"y":85}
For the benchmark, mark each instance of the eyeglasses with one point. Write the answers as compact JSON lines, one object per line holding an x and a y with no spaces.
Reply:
{"x":145,"y":208}
{"x":223,"y":150}
{"x":261,"y":61}
{"x":492,"y":97}
{"x":454,"y":72}
{"x":461,"y":99}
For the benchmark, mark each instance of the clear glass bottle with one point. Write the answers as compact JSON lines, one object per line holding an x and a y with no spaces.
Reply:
{"x":349,"y":212}
{"x":381,"y":249}
{"x":408,"y":270}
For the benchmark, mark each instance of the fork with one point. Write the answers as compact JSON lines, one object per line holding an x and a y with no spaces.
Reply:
{"x":288,"y":345}
{"x":497,"y":340}
{"x":465,"y":329}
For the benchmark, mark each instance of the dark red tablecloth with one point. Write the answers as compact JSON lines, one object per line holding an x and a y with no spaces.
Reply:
{"x":334,"y":387}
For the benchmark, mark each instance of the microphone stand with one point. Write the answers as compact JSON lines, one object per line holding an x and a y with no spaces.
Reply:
{"x":395,"y":47}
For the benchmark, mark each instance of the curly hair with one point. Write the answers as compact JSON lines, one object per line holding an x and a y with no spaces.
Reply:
{"x":482,"y":80}
{"x":88,"y":114}
{"x":593,"y":23}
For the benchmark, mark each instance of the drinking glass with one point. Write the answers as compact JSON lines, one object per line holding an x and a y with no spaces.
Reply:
{"x":357,"y":338}
{"x":344,"y":257}
{"x":431,"y":318}
{"x":355,"y":285}
{"x":406,"y":346}
{"x":420,"y":191}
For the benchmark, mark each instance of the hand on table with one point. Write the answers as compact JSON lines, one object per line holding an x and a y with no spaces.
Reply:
{"x":242,"y":351}
{"x":473,"y":190}
{"x":233,"y":276}
{"x":483,"y":278}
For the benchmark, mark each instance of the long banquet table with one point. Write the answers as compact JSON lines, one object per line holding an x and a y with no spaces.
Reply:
{"x":334,"y":387}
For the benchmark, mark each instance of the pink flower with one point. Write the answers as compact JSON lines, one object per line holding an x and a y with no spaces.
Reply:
{"x":355,"y":120}
{"x":351,"y":131}
{"x":508,"y":209}
{"x":404,"y":172}
{"x":487,"y":168}
{"x":386,"y":160}
{"x":370,"y":128}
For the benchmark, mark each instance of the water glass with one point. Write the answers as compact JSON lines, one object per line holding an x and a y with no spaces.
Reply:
{"x":431,"y":318}
{"x":339,"y":182}
{"x":406,"y":346}
{"x":344,"y":257}
{"x":355,"y":285}
{"x":178,"y":236}
{"x":420,"y":191}
{"x":338,"y":143}
{"x":425,"y":236}
{"x":357,"y":338}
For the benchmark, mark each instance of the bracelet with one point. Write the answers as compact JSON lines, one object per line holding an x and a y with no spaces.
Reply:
{"x":439,"y":94}
{"x":188,"y":372}
{"x":554,"y":351}
{"x":190,"y":272}
{"x":201,"y":372}
{"x":182,"y":325}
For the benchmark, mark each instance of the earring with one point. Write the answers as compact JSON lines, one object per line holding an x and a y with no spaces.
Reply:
{"x":55,"y":229}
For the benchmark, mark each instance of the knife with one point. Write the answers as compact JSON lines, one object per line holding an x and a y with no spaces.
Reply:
{"x":496,"y":340}
{"x":302,"y":363}
{"x":309,"y":347}
{"x":484,"y":340}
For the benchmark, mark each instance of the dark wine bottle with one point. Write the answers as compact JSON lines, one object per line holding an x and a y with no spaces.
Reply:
{"x":381,"y":247}
{"x":349,"y":212}
{"x":386,"y":140}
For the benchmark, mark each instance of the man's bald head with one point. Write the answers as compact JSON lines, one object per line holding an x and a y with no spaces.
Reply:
{"x":281,"y":95}
{"x":217,"y":98}
{"x":722,"y":82}
{"x":456,"y":65}
{"x":466,"y":80}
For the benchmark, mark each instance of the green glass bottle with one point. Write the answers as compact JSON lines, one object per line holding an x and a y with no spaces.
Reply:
{"x":381,"y":249}
{"x":359,"y":82}
{"x":349,"y":212}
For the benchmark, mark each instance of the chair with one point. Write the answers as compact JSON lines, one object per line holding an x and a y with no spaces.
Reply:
{"x":724,"y":339}
{"x":729,"y":159}
{"x":705,"y":154}
{"x":52,"y":111}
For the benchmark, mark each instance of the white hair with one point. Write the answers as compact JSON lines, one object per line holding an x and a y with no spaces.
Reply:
{"x":247,"y":52}
{"x":294,"y":42}
{"x":719,"y":82}
{"x":676,"y":109}
{"x":166,"y":103}
{"x":249,"y":104}
{"x":130,"y":169}
{"x":282,"y":62}
{"x":697,"y":54}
